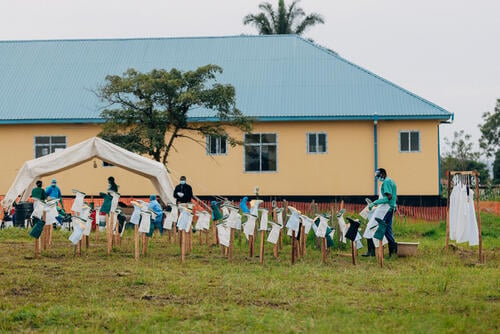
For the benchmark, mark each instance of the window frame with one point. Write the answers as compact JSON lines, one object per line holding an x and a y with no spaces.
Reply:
{"x":260,"y":144}
{"x":409,"y":132}
{"x":317,"y":134}
{"x":217,"y":144}
{"x":49,"y":145}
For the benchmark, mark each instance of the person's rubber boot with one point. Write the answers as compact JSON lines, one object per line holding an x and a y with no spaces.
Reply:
{"x":371,"y":248}
{"x":393,"y":249}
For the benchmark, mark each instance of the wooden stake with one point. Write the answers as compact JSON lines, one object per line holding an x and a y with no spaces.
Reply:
{"x":293,"y":247}
{"x":381,"y":253}
{"x":303,"y":239}
{"x":37,"y":248}
{"x":136,"y":242}
{"x":109,"y":232}
{"x":353,"y":253}
{"x":250,"y":243}
{"x":182,"y":237}
{"x":231,"y":240}
{"x":448,"y":211}
{"x":323,"y":249}
{"x":262,"y":237}
{"x":144,"y":244}
{"x":478,"y":215}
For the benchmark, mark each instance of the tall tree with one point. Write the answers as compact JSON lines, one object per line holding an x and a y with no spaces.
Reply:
{"x":461,"y":156}
{"x":490,"y":131}
{"x":152,"y":109}
{"x":282,"y":20}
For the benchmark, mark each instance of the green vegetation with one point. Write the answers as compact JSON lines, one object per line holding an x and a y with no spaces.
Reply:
{"x":433,"y":292}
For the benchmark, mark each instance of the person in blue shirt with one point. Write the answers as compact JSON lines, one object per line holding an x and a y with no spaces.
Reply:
{"x":156,"y":208}
{"x":53,"y":190}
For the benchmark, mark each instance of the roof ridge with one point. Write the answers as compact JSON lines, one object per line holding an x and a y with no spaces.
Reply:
{"x":373,"y":74}
{"x":142,"y":38}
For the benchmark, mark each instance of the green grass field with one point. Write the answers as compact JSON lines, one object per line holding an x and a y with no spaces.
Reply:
{"x":434,"y":292}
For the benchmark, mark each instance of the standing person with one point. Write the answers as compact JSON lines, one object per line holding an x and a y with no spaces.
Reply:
{"x":183,"y":192}
{"x":387,"y":199}
{"x":112,"y":185}
{"x":39,"y":192}
{"x":53,"y":191}
{"x":156,"y":208}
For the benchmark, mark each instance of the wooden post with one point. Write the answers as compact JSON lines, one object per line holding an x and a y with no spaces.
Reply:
{"x":50,"y":235}
{"x":380,"y":253}
{"x":109,"y":231}
{"x":293,"y":247}
{"x":250,"y":243}
{"x":231,"y":241}
{"x":136,"y":242}
{"x":303,"y":238}
{"x":353,"y":253}
{"x":448,"y":211}
{"x":37,"y":248}
{"x":262,"y":237}
{"x":182,"y":237}
{"x":79,"y":248}
{"x":144,"y":244}
{"x":478,"y":214}
{"x":323,"y":249}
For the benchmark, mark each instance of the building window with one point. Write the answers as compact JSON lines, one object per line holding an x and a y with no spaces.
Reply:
{"x":261,"y":152}
{"x":409,"y":141}
{"x":316,"y":142}
{"x":216,"y":145}
{"x":48,"y":144}
{"x":107,"y":164}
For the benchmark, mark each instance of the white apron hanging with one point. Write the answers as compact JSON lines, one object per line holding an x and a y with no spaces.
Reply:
{"x":263,"y":220}
{"x":145,"y":224}
{"x":223,"y":232}
{"x":249,"y":227}
{"x":275,"y":233}
{"x":78,"y":201}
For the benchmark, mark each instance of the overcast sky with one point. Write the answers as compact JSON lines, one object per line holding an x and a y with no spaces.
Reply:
{"x":446,"y":51}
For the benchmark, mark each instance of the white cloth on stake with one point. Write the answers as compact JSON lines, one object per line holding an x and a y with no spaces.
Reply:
{"x":185,"y":219}
{"x":293,"y":221}
{"x":223,"y":232}
{"x":263,"y":219}
{"x":135,"y":218}
{"x":321,"y":228}
{"x":275,"y":233}
{"x":307,"y":222}
{"x":39,"y":208}
{"x":171,"y":217}
{"x":51,"y":213}
{"x":78,"y":201}
{"x":234,"y":219}
{"x":203,"y":222}
{"x":114,"y":201}
{"x":78,"y":228}
{"x":254,"y":210}
{"x":145,"y":224}
{"x":249,"y":227}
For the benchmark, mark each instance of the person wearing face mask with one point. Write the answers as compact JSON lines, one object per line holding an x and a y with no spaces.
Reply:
{"x":53,"y":190}
{"x":386,"y":202}
{"x":183,"y":192}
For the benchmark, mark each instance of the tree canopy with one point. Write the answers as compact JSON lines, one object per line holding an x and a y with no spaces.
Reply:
{"x":490,"y":131}
{"x":148,"y":111}
{"x":283,"y":20}
{"x":462,"y":156}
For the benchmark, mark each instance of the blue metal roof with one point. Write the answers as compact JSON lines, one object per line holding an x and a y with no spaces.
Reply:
{"x":277,"y":77}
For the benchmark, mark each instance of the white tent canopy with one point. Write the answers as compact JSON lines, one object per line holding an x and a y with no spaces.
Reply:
{"x":81,"y":153}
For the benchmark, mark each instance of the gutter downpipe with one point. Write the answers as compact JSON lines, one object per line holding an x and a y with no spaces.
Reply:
{"x":375,"y":150}
{"x":448,"y":121}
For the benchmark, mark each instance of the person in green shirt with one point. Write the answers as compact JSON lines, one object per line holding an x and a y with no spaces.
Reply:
{"x":39,"y":192}
{"x":389,"y":196}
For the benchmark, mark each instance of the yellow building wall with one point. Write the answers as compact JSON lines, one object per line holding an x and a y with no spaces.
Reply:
{"x":415,"y":173}
{"x":346,"y":169}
